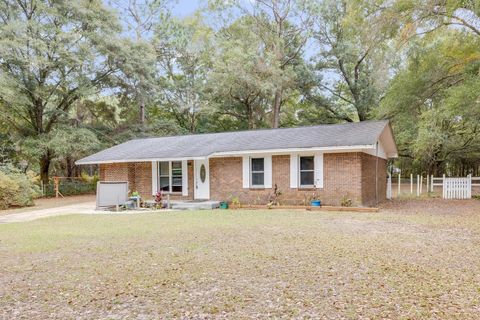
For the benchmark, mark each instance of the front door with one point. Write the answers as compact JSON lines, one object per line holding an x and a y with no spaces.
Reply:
{"x":202,"y":179}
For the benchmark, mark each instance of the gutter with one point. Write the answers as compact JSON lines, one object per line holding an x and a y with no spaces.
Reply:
{"x":79,"y":162}
{"x":357,"y":148}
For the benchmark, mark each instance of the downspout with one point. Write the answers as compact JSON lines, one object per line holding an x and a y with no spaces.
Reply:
{"x":376,"y":174}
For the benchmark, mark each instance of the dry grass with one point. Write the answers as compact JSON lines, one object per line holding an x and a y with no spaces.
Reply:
{"x":244,"y":264}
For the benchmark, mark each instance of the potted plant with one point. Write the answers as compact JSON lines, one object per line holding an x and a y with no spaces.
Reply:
{"x":159,"y":196}
{"x":224,"y":205}
{"x":135,"y":194}
{"x":158,"y":199}
{"x":273,"y":198}
{"x":236,"y":202}
{"x":346,"y":201}
{"x":314,"y":201}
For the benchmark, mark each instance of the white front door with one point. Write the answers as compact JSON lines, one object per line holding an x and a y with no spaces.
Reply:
{"x":202,"y":179}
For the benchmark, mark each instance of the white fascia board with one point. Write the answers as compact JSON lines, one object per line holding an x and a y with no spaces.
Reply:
{"x":388,"y":139}
{"x":358,"y":148}
{"x":140,"y":160}
{"x":381,"y":152}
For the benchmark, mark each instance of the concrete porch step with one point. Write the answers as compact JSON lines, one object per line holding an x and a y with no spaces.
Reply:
{"x":194,"y":205}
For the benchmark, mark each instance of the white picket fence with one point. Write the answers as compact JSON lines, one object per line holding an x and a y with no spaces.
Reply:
{"x":452,"y":188}
{"x":457,"y":188}
{"x":389,"y":186}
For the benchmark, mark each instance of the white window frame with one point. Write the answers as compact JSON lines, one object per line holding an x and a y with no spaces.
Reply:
{"x":258,"y":186}
{"x":170,"y":177}
{"x":305,"y":186}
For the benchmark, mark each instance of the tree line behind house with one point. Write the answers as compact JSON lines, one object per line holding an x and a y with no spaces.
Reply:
{"x":76,"y":77}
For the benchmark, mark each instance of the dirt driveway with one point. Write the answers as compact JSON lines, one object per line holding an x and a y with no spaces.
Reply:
{"x":46,"y":203}
{"x":48,"y":207}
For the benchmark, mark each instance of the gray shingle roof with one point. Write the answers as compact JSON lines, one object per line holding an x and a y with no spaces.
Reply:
{"x":201,"y":145}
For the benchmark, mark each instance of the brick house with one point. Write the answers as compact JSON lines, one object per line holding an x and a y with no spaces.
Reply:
{"x":339,"y":161}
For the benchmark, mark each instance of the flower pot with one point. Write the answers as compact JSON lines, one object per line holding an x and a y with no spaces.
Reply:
{"x":223,"y":205}
{"x":315,"y":203}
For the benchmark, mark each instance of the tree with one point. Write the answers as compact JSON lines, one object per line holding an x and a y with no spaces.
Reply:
{"x":142,"y":17}
{"x":69,"y":144}
{"x":183,"y":61}
{"x":435,"y":103}
{"x":98,"y":112}
{"x":53,"y":53}
{"x":426,"y":16}
{"x":283,"y":27}
{"x":65,"y":144}
{"x":240,"y":83}
{"x":352,"y":64}
{"x":7,"y":149}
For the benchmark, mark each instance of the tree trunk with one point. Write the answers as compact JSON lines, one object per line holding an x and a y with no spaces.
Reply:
{"x":70,"y":166}
{"x":44,"y":167}
{"x":250,"y":117}
{"x":276,"y":108}
{"x":142,"y":113}
{"x":193,"y":123}
{"x":362,"y":116}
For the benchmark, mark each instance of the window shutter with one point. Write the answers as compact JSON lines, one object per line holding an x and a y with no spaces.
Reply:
{"x":267,"y":162}
{"x":246,"y":172}
{"x":319,"y":170}
{"x":184,"y":178}
{"x":293,"y":171}
{"x":154,"y":177}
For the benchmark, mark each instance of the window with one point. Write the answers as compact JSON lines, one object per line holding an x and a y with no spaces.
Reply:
{"x":176,"y":176}
{"x":164,"y":176}
{"x":307,"y":169}
{"x":203,"y":173}
{"x":170,"y":176}
{"x":258,"y":172}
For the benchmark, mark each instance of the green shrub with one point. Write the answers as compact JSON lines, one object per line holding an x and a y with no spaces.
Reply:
{"x":16,"y":188}
{"x":89,"y":179}
{"x":346,"y":201}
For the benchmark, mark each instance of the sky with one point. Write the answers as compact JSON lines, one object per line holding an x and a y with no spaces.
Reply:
{"x":183,"y":8}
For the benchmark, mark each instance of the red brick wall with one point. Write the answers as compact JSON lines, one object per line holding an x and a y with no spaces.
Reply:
{"x":139,"y":177}
{"x":346,"y":175}
{"x":343,"y":177}
{"x":369,"y":164}
{"x":114,"y":172}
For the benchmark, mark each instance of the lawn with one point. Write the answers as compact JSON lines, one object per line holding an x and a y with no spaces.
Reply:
{"x":243,"y":264}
